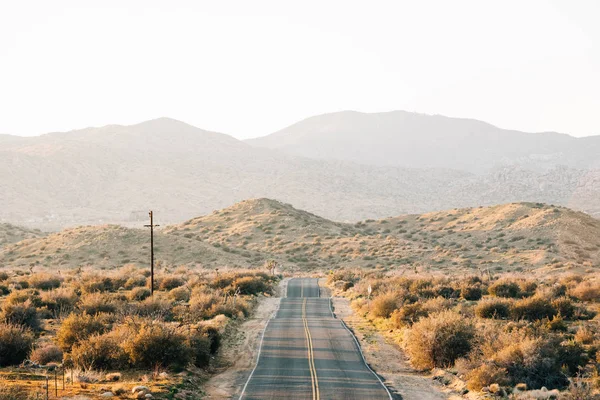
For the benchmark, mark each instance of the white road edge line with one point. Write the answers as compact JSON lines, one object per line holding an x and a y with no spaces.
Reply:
{"x":359,"y":349}
{"x":262,"y":337}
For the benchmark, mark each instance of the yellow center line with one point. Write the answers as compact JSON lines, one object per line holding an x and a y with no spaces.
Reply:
{"x":311,"y":355}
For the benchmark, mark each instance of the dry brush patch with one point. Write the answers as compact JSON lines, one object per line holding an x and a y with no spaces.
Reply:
{"x":500,"y":336}
{"x":92,"y":324}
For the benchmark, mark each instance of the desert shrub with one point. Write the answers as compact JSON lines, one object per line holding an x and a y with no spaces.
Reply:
{"x":22,"y":296}
{"x":96,"y":303}
{"x":44,"y":281}
{"x":95,"y":283}
{"x":539,"y":362}
{"x":222,"y":281}
{"x":154,"y":308}
{"x":408,"y":314}
{"x":493,"y":308}
{"x":3,"y":276}
{"x":170,"y":282}
{"x":4,"y":290}
{"x":565,"y":307}
{"x":59,"y":301}
{"x":532,"y":309}
{"x":199,"y":344}
{"x":446,"y":292}
{"x":201,"y":302}
{"x":439,"y":339}
{"x":24,"y":314}
{"x":585,"y":335}
{"x":505,"y":288}
{"x":485,"y":375}
{"x":214,"y":336}
{"x":527,"y":288}
{"x":180,"y":294}
{"x":384,"y":305}
{"x":135,"y":281}
{"x":157,"y":344}
{"x":15,"y":344}
{"x":77,"y":327}
{"x":251,"y":285}
{"x":46,"y":354}
{"x":139,"y":293}
{"x":586,"y":291}
{"x":471,"y":292}
{"x":99,"y":352}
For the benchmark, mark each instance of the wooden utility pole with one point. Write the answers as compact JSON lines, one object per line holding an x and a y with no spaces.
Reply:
{"x":151,"y":226}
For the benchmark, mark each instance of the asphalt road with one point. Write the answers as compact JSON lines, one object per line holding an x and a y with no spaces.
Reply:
{"x":306,"y":353}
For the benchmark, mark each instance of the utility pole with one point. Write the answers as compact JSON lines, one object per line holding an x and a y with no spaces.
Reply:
{"x":151,"y":226}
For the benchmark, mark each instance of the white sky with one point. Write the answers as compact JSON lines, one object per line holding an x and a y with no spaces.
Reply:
{"x":248,"y":68}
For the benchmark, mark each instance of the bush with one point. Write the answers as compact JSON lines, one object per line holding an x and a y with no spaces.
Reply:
{"x":170,"y":282}
{"x":44,"y":281}
{"x":96,"y":303}
{"x":180,"y":294}
{"x":46,"y":354}
{"x":15,"y":344}
{"x":586,"y":291}
{"x":23,"y":314}
{"x":154,"y":308}
{"x":77,"y":327}
{"x":505,"y":288}
{"x":158,"y":344}
{"x":384,"y":305}
{"x":565,"y":307}
{"x":532,"y":309}
{"x":200,"y":346}
{"x":251,"y":285}
{"x":135,"y":281}
{"x":408,"y":314}
{"x":440,"y":339}
{"x":485,"y":375}
{"x":3,"y":276}
{"x":99,"y":352}
{"x":21,"y":296}
{"x":493,"y":308}
{"x":538,"y":362}
{"x":140,"y":294}
{"x":59,"y":301}
{"x":472,"y":293}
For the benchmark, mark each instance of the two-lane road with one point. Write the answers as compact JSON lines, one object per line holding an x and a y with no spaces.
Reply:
{"x":306,"y":353}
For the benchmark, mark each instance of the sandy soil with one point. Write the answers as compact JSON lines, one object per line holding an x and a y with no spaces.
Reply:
{"x":240,"y":349}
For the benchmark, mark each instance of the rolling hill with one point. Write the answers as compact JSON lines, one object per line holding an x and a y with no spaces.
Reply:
{"x":414,"y":140}
{"x":531,"y":237}
{"x":115,"y":174}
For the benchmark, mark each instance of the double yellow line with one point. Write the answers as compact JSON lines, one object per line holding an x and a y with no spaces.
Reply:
{"x":311,"y":355}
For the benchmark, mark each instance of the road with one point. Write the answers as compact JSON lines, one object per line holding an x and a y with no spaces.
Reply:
{"x":307,"y":353}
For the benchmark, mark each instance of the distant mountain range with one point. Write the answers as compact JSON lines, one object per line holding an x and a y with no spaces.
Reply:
{"x":345,"y":166}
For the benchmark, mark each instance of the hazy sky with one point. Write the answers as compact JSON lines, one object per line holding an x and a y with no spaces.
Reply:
{"x":249,"y":68}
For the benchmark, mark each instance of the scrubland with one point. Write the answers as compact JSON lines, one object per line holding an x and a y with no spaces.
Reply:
{"x":493,"y":336}
{"x":109,"y":335}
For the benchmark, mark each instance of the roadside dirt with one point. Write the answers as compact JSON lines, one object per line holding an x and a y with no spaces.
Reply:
{"x":240,"y":349}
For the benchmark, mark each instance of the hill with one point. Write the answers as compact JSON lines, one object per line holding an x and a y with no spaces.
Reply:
{"x":414,"y":140}
{"x":112,"y":246}
{"x":115,"y":174}
{"x":511,"y":237}
{"x":12,"y":234}
{"x":519,"y":236}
